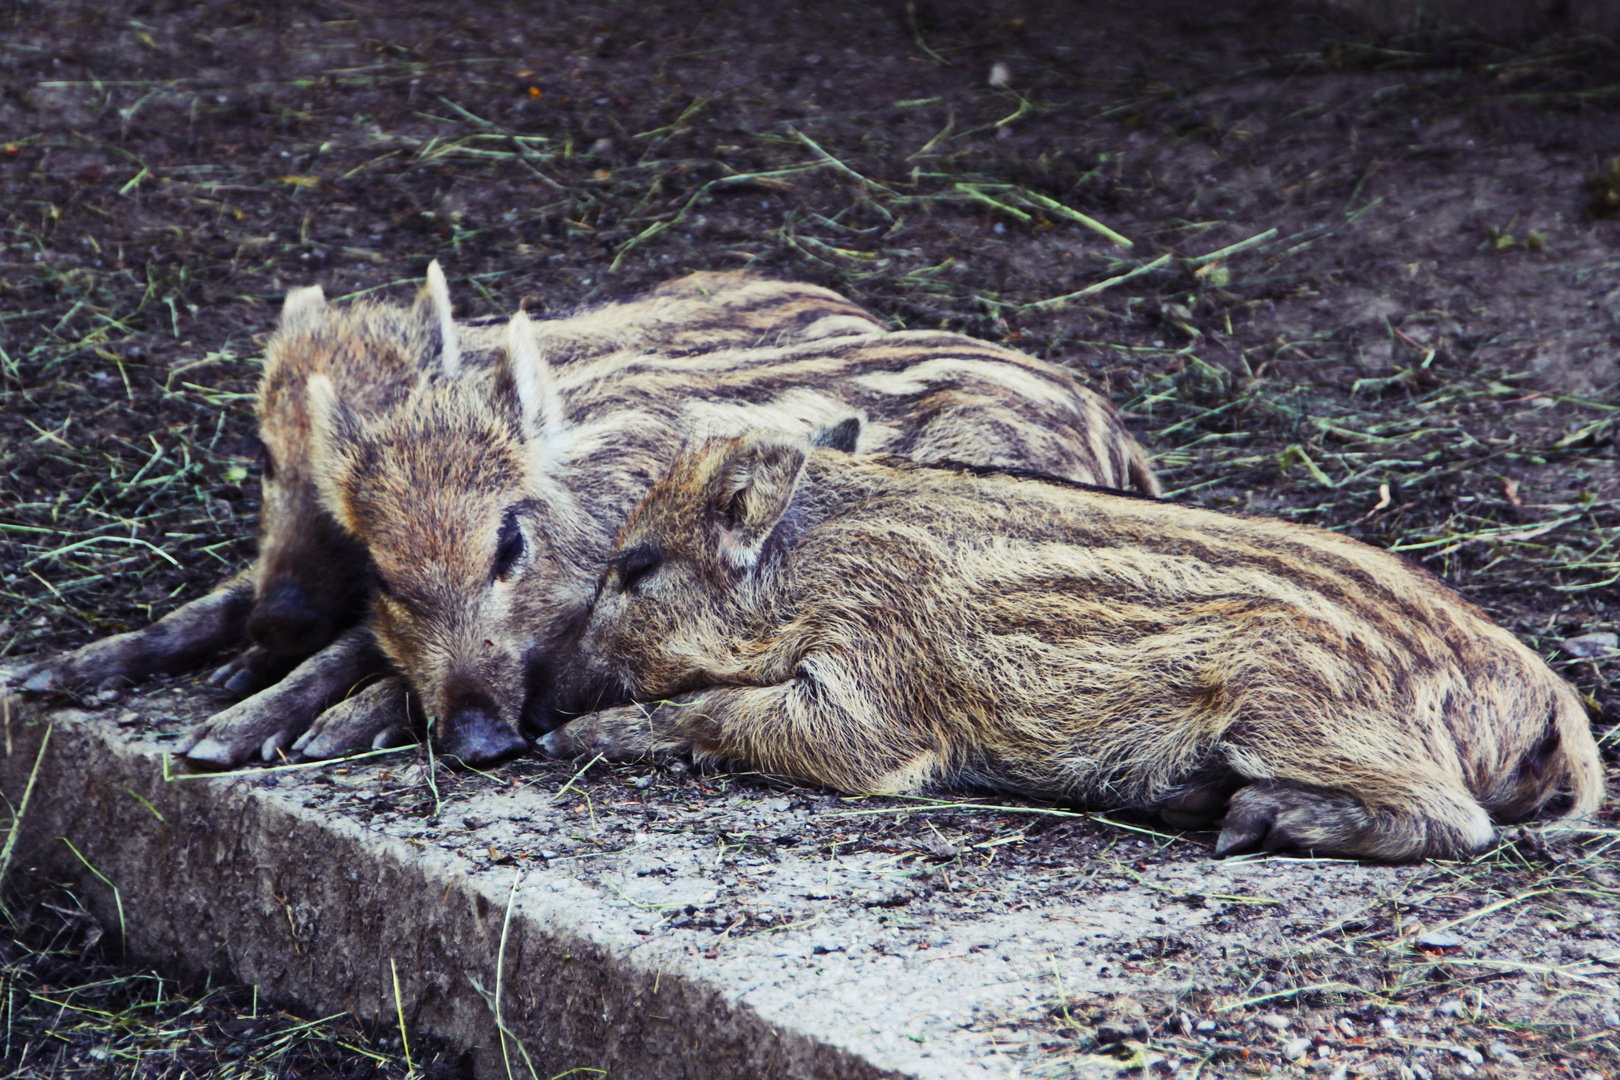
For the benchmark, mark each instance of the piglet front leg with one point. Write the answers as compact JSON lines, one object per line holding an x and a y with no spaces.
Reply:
{"x":624,"y":733}
{"x":801,"y":728}
{"x":185,"y":636}
{"x":269,"y":721}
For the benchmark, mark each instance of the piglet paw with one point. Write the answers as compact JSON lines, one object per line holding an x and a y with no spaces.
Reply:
{"x":376,"y":718}
{"x":621,"y":734}
{"x":253,"y":728}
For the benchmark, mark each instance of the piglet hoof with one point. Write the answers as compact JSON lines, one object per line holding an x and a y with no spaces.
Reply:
{"x":1279,"y":817}
{"x":249,"y":673}
{"x":562,"y":743}
{"x":359,"y":722}
{"x":1194,"y":809}
{"x":1252,"y":821}
{"x":275,"y":747}
{"x":277,"y":715}
{"x":1185,"y":822}
{"x":211,"y":753}
{"x":393,"y":738}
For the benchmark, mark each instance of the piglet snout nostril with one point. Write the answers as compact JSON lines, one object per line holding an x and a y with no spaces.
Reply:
{"x":477,"y":736}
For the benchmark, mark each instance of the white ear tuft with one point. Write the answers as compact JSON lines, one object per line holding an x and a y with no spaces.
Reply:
{"x":449,"y":346}
{"x":532,"y":380}
{"x":330,"y":425}
{"x":302,"y":305}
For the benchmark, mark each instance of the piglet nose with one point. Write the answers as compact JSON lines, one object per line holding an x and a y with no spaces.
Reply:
{"x":286,"y":622}
{"x":477,"y":736}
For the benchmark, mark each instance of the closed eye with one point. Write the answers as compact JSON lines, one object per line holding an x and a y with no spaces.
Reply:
{"x":637,"y":564}
{"x":508,"y":545}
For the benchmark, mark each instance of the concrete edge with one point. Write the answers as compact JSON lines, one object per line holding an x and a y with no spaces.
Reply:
{"x":238,"y":878}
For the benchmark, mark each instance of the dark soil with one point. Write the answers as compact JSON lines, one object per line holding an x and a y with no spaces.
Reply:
{"x":1416,"y":344}
{"x":73,"y":1010}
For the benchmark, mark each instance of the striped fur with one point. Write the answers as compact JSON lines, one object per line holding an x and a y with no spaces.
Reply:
{"x":438,"y":489}
{"x":309,"y":580}
{"x":881,"y":627}
{"x":310,"y":575}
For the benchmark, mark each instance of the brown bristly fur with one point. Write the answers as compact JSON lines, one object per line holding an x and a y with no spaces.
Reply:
{"x":436,"y":488}
{"x":376,"y":353}
{"x":882,"y":627}
{"x":309,"y":579}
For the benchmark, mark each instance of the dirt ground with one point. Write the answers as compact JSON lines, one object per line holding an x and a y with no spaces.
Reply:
{"x":1369,"y":284}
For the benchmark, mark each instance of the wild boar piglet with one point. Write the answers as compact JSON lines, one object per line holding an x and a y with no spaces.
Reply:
{"x":308,"y":581}
{"x":883,"y":627}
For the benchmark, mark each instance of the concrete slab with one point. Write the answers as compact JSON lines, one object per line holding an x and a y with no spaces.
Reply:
{"x":657,"y":924}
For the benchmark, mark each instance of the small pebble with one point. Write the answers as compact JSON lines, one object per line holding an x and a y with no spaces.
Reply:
{"x":1611,"y":1019}
{"x":1468,"y":1054}
{"x":128,"y":718}
{"x":107,"y":697}
{"x":1499,"y":1051}
{"x":1442,"y":940}
{"x":1323,"y":1065}
{"x":1273,"y":1021}
{"x":1000,"y":74}
{"x":642,"y":783}
{"x":1449,"y":1008}
{"x":1204,"y":1025}
{"x":1295,"y":1049}
{"x":1591,"y":645}
{"x":1347,"y":1028}
{"x":1388,"y":1028}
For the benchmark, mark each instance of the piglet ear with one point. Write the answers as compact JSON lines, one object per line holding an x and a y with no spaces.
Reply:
{"x":530,"y":379}
{"x":842,"y":436}
{"x":756,"y":487}
{"x":1541,"y":758}
{"x":333,"y":428}
{"x":302,"y":307}
{"x":433,"y":307}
